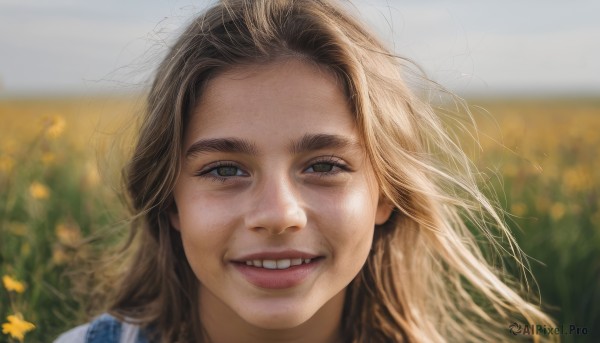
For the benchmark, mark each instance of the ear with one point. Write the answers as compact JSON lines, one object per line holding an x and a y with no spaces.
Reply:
{"x":174,"y":216}
{"x":384,"y":210}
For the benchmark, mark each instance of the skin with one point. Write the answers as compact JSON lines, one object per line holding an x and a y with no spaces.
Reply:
{"x":275,"y":200}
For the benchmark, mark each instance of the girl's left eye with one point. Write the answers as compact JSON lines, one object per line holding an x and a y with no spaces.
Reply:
{"x":329,"y":166}
{"x":322,"y":167}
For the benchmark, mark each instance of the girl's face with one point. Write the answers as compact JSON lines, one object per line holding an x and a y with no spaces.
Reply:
{"x":276,"y":201}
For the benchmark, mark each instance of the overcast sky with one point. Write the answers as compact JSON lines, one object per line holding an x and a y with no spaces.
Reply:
{"x":473,"y":47}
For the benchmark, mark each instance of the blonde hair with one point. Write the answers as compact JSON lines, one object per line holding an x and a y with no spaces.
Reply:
{"x":426,"y":278}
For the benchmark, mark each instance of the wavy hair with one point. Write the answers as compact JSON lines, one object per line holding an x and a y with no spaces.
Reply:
{"x":426,"y":279}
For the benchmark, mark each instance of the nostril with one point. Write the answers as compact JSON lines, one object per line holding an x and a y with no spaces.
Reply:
{"x":276,"y":231}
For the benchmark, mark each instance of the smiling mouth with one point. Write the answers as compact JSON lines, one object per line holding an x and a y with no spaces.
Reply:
{"x":278,"y":273}
{"x":279,"y":264}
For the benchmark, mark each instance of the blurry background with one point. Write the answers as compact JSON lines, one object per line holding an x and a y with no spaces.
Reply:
{"x":473,"y":47}
{"x":71,"y":73}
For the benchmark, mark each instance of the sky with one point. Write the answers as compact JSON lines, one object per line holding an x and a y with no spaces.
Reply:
{"x":489,"y":48}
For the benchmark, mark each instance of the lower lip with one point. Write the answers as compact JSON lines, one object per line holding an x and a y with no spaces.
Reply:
{"x":277,"y":278}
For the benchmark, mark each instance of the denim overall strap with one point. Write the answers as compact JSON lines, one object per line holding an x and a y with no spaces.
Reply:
{"x":142,"y":336}
{"x":104,"y":329}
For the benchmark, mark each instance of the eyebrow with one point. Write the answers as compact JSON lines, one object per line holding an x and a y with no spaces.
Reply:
{"x":311,"y":142}
{"x":308,"y":142}
{"x":231,"y":145}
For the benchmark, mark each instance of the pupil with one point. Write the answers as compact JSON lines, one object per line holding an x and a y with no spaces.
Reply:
{"x":322,"y":167}
{"x":226,"y":171}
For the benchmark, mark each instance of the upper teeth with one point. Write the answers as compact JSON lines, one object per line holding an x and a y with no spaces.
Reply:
{"x":277,"y":264}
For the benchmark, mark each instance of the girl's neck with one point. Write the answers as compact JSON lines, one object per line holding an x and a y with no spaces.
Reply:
{"x":223,"y":325}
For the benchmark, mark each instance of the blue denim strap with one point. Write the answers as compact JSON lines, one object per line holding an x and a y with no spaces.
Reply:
{"x":108,"y":329}
{"x":104,"y":329}
{"x":142,"y":337}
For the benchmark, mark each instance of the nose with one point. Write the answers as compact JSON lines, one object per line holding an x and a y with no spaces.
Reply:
{"x":276,"y":208}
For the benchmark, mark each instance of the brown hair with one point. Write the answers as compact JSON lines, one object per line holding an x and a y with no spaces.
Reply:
{"x":426,"y":278}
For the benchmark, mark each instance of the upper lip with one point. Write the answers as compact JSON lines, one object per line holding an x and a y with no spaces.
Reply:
{"x":275,"y":255}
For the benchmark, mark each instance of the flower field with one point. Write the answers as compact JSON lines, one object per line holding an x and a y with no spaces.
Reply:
{"x":59,"y":181}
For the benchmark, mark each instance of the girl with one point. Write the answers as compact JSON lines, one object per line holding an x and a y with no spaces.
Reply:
{"x":288,"y":187}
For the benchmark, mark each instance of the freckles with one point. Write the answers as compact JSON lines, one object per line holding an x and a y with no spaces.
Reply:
{"x":205,"y":221}
{"x":350,"y":230}
{"x":351,"y":215}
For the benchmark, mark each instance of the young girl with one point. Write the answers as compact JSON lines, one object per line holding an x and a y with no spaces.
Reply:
{"x":288,"y":187}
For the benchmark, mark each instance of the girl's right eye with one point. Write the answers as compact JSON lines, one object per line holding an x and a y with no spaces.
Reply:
{"x":226,"y":171}
{"x":221,"y":172}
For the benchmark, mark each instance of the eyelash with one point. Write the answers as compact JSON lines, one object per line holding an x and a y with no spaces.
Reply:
{"x":331,"y":160}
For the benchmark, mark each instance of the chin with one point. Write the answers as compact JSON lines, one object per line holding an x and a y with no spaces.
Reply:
{"x":280,"y":319}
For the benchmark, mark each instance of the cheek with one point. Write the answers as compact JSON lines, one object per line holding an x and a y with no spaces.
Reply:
{"x":350,"y":221}
{"x":204,"y":231}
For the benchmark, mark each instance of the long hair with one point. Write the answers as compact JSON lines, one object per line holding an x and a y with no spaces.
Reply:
{"x":426,"y":278}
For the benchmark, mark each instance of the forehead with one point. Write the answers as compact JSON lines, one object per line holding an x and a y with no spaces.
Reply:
{"x":282,"y":98}
{"x":283,"y":75}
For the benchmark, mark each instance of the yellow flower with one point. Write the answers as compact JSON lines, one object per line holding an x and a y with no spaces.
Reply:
{"x":12,"y":285}
{"x":68,"y":234}
{"x":518,"y":209}
{"x":55,"y":126}
{"x":17,"y":327}
{"x":39,"y":191}
{"x":59,"y":256}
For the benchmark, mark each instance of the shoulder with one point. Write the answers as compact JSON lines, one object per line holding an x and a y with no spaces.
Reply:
{"x":103,"y":329}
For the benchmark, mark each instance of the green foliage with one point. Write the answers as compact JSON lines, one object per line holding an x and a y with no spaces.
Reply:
{"x":546,"y":157}
{"x":51,"y":203}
